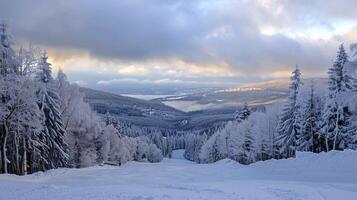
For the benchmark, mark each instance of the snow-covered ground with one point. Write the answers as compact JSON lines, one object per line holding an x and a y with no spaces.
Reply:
{"x":309,"y":176}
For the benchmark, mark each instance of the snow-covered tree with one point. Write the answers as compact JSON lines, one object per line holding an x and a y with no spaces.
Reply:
{"x":8,"y":59}
{"x":20,"y":119}
{"x":247,"y":154}
{"x":142,"y":145}
{"x":193,"y":144}
{"x":28,"y":61}
{"x":209,"y":152}
{"x":290,"y":122}
{"x":156,"y":138}
{"x":336,"y":113}
{"x":242,"y":114}
{"x":154,"y":154}
{"x":310,"y":138}
{"x":49,"y":104}
{"x":264,"y":132}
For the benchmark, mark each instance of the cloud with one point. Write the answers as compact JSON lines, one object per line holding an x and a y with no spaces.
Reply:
{"x":181,"y":39}
{"x":81,"y":83}
{"x":133,"y":70}
{"x":123,"y":80}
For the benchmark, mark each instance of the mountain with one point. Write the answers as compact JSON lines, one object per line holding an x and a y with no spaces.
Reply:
{"x":255,"y":94}
{"x":131,"y":110}
{"x":196,"y":111}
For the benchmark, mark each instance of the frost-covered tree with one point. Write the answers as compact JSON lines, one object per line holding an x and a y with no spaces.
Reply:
{"x":264,"y":132}
{"x":8,"y":58}
{"x":49,"y":104}
{"x":20,"y":119}
{"x":95,"y":141}
{"x":245,"y":142}
{"x":336,"y":114}
{"x":153,"y":154}
{"x":193,"y":144}
{"x":70,"y":98}
{"x":142,"y":145}
{"x":247,"y":154}
{"x":28,"y":61}
{"x":242,"y":114}
{"x":210,"y":151}
{"x":156,"y":138}
{"x":290,"y":122}
{"x":352,"y":132}
{"x":310,"y":138}
{"x":225,"y":143}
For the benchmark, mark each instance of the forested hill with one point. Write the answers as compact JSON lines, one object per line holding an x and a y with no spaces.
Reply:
{"x":100,"y":96}
{"x":154,"y":113}
{"x":143,"y":113}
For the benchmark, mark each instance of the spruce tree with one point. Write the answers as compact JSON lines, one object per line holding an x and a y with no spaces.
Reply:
{"x":309,"y":137}
{"x":49,"y":103}
{"x":289,"y":125}
{"x":336,"y":111}
{"x":8,"y":60}
{"x":243,"y":114}
{"x":247,"y":146}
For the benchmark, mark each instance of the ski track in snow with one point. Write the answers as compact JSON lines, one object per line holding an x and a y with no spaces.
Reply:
{"x":307,"y":177}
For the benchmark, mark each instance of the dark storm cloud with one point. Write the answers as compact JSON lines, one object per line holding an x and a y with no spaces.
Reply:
{"x":124,"y":29}
{"x":198,"y":32}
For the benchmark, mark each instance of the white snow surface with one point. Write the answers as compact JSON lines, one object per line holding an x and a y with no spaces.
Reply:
{"x":322,"y":176}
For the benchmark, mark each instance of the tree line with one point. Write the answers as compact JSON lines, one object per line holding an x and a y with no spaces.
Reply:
{"x":309,"y":121}
{"x":45,"y":123}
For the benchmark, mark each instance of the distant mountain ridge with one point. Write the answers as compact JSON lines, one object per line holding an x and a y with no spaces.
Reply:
{"x":210,"y":107}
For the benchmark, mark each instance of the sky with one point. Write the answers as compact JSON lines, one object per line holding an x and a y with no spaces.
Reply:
{"x":183,"y":43}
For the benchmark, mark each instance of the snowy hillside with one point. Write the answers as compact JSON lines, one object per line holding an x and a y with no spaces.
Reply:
{"x":309,"y":176}
{"x":262,"y":93}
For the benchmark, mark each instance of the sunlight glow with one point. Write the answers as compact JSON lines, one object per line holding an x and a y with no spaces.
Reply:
{"x":312,"y":32}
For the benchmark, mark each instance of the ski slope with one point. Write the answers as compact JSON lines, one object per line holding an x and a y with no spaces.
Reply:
{"x":330,"y":175}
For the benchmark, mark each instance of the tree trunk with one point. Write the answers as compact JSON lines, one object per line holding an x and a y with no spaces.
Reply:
{"x":24,"y":157}
{"x":326,"y":137}
{"x":17,"y":159}
{"x":3,"y":148}
{"x":336,"y":129}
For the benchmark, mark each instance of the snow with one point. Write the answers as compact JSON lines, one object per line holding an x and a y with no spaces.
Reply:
{"x":178,"y":154}
{"x":309,"y":176}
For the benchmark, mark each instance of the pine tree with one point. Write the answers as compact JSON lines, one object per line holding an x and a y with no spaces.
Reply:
{"x":336,"y":112}
{"x":247,"y":148}
{"x":243,"y":114}
{"x":289,"y":125}
{"x":8,"y":59}
{"x":309,"y":137}
{"x":49,"y":103}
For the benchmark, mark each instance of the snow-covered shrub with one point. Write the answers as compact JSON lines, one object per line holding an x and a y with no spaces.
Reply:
{"x":142,"y":146}
{"x":153,"y":154}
